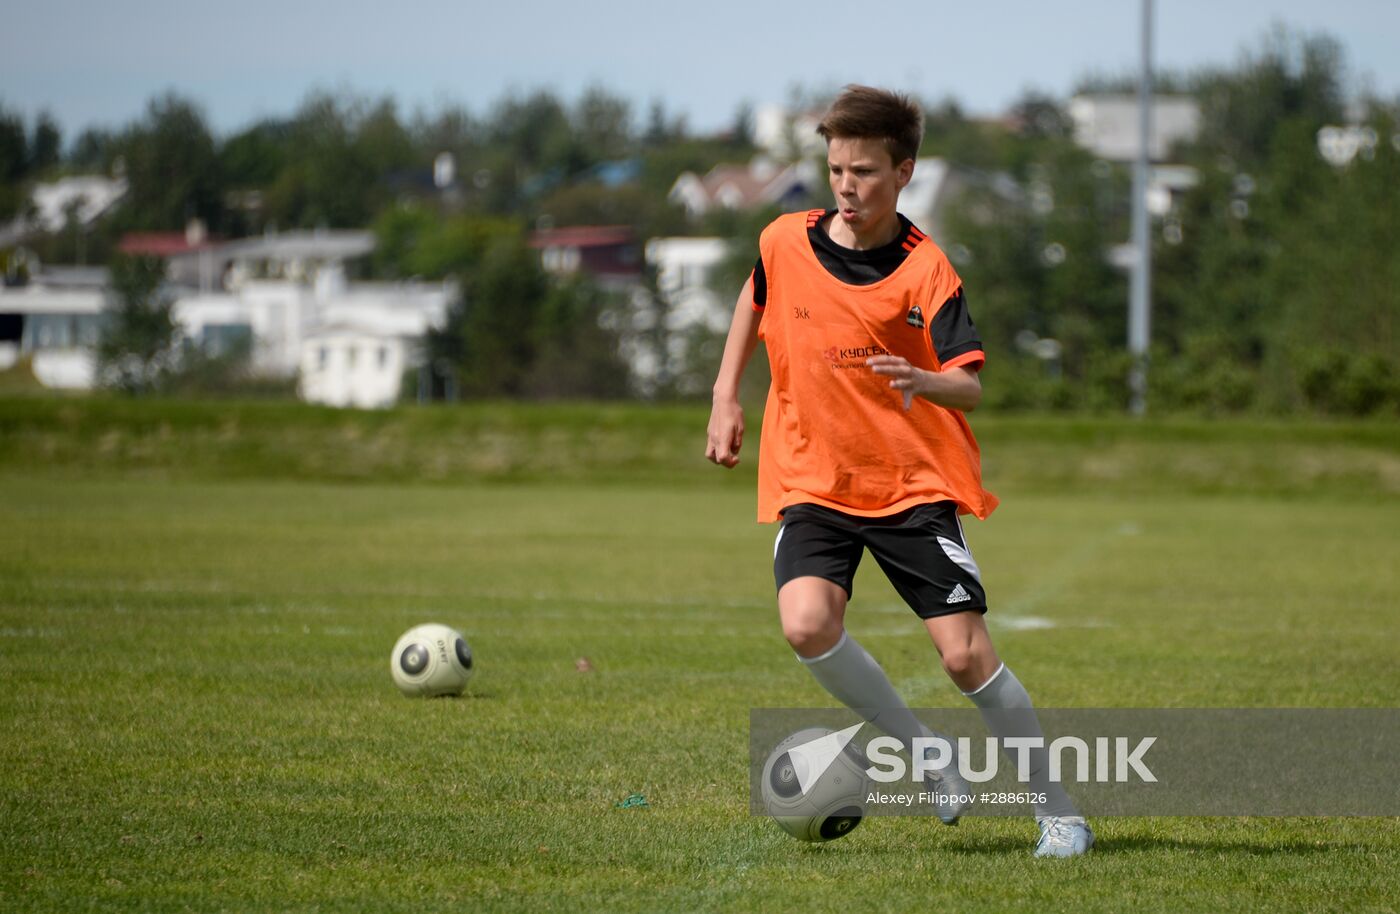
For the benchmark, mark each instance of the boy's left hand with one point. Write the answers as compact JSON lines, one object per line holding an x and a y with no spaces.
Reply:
{"x":903,"y":376}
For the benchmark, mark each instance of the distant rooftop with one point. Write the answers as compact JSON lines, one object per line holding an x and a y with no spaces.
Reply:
{"x":161,"y":244}
{"x":321,"y":244}
{"x":731,"y":186}
{"x":70,"y":277}
{"x":601,"y":251}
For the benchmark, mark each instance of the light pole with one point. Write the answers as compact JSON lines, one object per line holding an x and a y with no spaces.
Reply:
{"x":1140,"y":292}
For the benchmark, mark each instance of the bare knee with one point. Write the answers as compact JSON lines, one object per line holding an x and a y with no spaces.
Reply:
{"x":969,"y":665}
{"x":811,"y":635}
{"x":961,"y":662}
{"x":968,"y":656}
{"x":812,"y":611}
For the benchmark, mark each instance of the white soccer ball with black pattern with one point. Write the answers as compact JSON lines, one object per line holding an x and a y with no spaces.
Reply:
{"x":431,"y":660}
{"x":832,"y":804}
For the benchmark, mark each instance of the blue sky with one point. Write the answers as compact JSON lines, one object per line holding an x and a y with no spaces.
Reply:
{"x":98,"y":64}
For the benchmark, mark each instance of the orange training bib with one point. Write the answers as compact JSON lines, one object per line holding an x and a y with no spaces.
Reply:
{"x":834,"y":432}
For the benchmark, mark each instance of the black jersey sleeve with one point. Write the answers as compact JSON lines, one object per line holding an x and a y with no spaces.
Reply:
{"x":955,"y":337}
{"x":760,"y":284}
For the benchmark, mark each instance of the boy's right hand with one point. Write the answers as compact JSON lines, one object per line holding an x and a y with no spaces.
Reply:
{"x":726,"y":433}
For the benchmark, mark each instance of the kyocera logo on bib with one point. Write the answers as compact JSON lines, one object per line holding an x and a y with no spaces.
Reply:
{"x":853,"y":356}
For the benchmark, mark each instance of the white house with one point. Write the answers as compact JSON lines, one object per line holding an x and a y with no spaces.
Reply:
{"x":56,"y":323}
{"x":296,"y":256}
{"x":298,"y":326}
{"x":369,"y":334}
{"x":274,"y":314}
{"x":85,"y":198}
{"x":684,"y":269}
{"x":288,"y":295}
{"x":350,"y":365}
{"x":739,"y":187}
{"x":684,"y":273}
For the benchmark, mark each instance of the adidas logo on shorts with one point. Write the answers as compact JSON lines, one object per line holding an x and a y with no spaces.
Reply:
{"x":959,"y":595}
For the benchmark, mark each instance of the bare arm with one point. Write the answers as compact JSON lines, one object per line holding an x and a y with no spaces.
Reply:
{"x":726,"y":431}
{"x":954,"y":388}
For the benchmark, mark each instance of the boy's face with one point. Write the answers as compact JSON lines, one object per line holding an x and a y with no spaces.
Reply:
{"x":865,"y":181}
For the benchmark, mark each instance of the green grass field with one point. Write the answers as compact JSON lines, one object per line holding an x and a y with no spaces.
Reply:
{"x":198,"y":715}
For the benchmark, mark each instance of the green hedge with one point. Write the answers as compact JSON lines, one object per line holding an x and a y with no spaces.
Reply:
{"x":626,"y":443}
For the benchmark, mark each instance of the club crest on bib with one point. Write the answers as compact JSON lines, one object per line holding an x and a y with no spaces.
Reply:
{"x":916,"y":317}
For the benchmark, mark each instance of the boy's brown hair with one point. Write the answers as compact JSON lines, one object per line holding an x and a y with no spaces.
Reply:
{"x":866,"y":113}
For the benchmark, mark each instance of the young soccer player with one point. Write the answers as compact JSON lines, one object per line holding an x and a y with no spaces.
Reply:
{"x":874,"y":360}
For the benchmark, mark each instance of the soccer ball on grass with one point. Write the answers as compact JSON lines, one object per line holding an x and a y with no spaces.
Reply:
{"x":431,"y":660}
{"x":831,"y":806}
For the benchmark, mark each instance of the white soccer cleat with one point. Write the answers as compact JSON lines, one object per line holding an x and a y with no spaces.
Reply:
{"x":1063,"y":836}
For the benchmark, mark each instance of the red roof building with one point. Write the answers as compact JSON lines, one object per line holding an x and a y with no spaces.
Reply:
{"x":604,"y":251}
{"x":160,"y":244}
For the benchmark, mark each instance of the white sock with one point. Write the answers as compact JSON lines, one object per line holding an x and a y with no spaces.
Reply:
{"x":853,"y":678}
{"x":1003,"y":692}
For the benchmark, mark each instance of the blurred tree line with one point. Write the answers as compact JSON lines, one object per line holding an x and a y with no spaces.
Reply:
{"x":1275,"y":277}
{"x":25,"y":154}
{"x":342,"y":161}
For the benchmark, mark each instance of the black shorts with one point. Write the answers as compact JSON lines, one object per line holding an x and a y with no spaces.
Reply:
{"x":921,"y":550}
